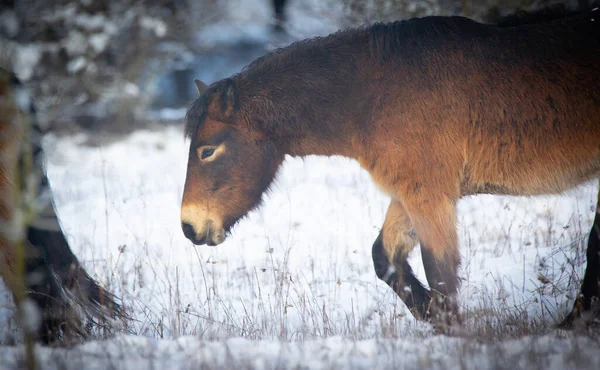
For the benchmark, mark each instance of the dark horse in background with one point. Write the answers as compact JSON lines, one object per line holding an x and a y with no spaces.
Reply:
{"x":434,"y":109}
{"x":67,"y":298}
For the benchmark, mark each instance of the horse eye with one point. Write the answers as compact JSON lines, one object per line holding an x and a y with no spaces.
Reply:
{"x":207,"y":153}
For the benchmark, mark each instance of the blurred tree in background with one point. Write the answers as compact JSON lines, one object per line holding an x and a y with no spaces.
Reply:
{"x":88,"y":60}
{"x":365,"y":11}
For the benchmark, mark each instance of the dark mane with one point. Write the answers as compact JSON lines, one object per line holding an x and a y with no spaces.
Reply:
{"x":384,"y":38}
{"x":195,"y":115}
{"x":390,"y":39}
{"x":382,"y":41}
{"x":299,"y":47}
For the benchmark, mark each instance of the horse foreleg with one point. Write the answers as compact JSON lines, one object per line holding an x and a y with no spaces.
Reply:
{"x":434,"y":220}
{"x":587,"y":304}
{"x":390,"y":252}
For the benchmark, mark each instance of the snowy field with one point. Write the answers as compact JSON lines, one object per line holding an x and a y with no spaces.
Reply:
{"x":294,"y":285}
{"x":329,"y":353}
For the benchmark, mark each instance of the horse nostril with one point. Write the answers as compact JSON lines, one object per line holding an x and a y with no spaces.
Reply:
{"x":188,"y":230}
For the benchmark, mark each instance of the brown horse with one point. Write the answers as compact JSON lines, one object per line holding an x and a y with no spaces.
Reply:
{"x":55,"y":281}
{"x":433,"y":108}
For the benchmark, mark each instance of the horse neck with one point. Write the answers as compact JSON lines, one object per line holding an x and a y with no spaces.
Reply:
{"x":335,"y":126}
{"x":320,"y":121}
{"x":332,"y":138}
{"x":310,"y":96}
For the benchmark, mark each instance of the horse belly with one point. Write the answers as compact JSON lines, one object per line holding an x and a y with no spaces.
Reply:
{"x":538,"y":167}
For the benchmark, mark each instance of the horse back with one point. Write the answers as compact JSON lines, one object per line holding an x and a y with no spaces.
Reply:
{"x":512,"y":110}
{"x":536,"y":127}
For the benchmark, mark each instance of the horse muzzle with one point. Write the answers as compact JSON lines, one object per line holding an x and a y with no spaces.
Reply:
{"x":209,"y":234}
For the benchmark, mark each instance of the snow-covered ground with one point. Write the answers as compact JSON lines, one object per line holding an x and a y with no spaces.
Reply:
{"x":294,"y":284}
{"x":128,"y":352}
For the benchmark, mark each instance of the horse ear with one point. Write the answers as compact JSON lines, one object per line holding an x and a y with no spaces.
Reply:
{"x":225,"y":102}
{"x":201,"y":86}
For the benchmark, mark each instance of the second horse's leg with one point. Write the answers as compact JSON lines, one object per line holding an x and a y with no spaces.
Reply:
{"x":587,"y":304}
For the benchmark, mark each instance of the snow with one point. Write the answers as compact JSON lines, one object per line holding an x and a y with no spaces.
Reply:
{"x":30,"y":316}
{"x":155,"y":25}
{"x":75,"y":43}
{"x":99,"y":42}
{"x":130,"y":352}
{"x":90,"y":23}
{"x":25,"y":59}
{"x":298,"y":271}
{"x":131,"y":89}
{"x":76,"y":64}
